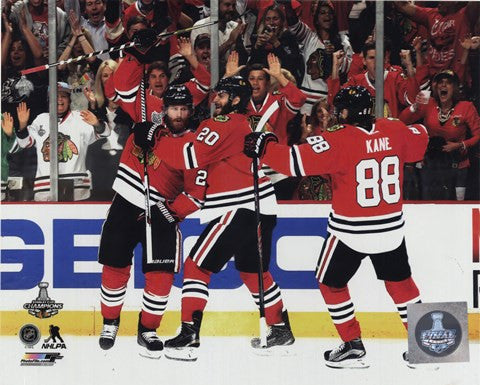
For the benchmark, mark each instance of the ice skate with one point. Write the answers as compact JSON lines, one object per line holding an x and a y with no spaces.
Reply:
{"x":109,"y":333}
{"x":151,"y":346}
{"x":184,"y":347}
{"x":418,"y":366}
{"x":279,"y":340}
{"x":348,"y":355}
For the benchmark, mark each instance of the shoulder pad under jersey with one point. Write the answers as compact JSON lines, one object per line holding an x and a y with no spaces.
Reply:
{"x":221,"y":118}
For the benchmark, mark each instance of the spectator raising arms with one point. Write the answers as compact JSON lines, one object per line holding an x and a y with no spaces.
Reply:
{"x":318,"y":47}
{"x":36,"y":19}
{"x":76,"y":130}
{"x":78,"y":74}
{"x":453,"y":127}
{"x":398,"y":88}
{"x":447,"y":25}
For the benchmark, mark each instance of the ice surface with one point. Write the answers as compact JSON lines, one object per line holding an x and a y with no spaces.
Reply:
{"x":226,"y":361}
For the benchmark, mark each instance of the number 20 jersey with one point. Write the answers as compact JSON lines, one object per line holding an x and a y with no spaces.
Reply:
{"x":367,"y":177}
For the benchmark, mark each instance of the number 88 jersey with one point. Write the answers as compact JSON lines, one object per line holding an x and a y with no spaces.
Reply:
{"x":366,"y":168}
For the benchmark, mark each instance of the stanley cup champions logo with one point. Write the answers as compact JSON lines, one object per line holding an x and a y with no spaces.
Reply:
{"x":438,"y":339}
{"x":43,"y":306}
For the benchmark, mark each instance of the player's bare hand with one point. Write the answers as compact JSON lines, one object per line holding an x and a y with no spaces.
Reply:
{"x":23,"y":114}
{"x":7,"y":124}
{"x":89,"y":117}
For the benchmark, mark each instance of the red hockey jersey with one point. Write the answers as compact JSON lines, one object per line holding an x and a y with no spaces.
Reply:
{"x":398,"y":89}
{"x":185,"y":188}
{"x":367,"y":177}
{"x":218,"y":147}
{"x":123,"y":87}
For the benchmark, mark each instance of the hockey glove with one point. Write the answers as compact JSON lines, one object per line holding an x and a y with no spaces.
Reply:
{"x":255,"y":143}
{"x":144,"y":135}
{"x":144,"y":39}
{"x":163,"y":214}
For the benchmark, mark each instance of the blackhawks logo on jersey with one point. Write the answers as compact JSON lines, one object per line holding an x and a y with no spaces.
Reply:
{"x":65,"y":148}
{"x":221,"y":118}
{"x":153,"y":160}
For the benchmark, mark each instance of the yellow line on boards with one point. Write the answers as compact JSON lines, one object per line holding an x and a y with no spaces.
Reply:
{"x":304,"y":324}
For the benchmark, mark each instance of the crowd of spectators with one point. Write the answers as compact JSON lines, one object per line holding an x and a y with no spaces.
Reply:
{"x":296,"y":53}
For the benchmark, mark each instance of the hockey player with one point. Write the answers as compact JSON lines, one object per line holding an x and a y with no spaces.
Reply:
{"x":229,"y":209}
{"x":366,"y":218}
{"x":173,"y":195}
{"x":76,"y":131}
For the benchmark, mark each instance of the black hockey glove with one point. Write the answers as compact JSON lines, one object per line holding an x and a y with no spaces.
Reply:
{"x":144,"y":135}
{"x":112,"y":11}
{"x":255,"y":143}
{"x":144,"y":39}
{"x":163,"y":214}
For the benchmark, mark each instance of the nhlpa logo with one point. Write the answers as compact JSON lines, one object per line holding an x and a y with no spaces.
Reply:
{"x":43,"y":306}
{"x":438,"y":339}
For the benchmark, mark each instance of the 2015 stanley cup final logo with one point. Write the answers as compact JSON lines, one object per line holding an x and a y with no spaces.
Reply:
{"x":43,"y":306}
{"x":439,"y":339}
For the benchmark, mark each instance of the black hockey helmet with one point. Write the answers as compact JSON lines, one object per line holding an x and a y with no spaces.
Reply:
{"x":357,"y":100}
{"x":236,"y":86}
{"x":176,"y":95}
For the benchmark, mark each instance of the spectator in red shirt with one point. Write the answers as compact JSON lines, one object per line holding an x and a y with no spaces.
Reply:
{"x":453,"y":127}
{"x":447,"y":25}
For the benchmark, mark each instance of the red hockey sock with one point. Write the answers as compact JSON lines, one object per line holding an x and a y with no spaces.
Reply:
{"x":113,"y":290}
{"x":342,"y":312}
{"x":194,"y":289}
{"x":272,"y":295}
{"x":155,"y":297}
{"x":403,"y":293}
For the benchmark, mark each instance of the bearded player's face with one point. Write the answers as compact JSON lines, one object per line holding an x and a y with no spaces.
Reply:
{"x":177,"y":118}
{"x":221,"y":100}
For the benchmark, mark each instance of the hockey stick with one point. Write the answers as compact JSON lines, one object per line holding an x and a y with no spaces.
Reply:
{"x":121,"y":47}
{"x":146,"y":180}
{"x":256,"y":195}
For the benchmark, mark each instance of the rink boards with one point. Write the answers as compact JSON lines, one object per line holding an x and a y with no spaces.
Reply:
{"x":58,"y":243}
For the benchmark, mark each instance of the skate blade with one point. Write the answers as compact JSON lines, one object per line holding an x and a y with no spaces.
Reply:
{"x":275,"y":351}
{"x":183,"y":354}
{"x":430,"y":367}
{"x":357,"y":363}
{"x":152,"y":354}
